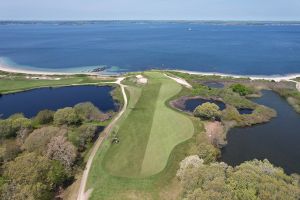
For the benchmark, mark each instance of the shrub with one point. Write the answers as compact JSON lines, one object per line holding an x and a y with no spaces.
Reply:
{"x":241,"y":89}
{"x":208,"y":111}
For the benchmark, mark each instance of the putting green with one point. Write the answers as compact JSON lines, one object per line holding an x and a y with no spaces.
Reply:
{"x":149,"y":131}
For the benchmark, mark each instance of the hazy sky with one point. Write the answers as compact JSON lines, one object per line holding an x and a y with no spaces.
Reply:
{"x":150,"y":9}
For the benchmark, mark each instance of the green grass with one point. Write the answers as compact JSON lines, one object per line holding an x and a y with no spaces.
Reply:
{"x":153,"y":139}
{"x":13,"y":83}
{"x":150,"y":131}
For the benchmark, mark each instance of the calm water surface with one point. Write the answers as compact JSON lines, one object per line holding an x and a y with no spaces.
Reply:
{"x":129,"y":46}
{"x":32,"y":101}
{"x":191,"y":104}
{"x":278,"y":140}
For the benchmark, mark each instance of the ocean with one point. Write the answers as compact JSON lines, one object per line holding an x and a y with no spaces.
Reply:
{"x":122,"y":46}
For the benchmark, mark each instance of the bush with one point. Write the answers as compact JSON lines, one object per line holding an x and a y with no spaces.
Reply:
{"x":44,"y":117}
{"x":9,"y":150}
{"x":241,"y":89}
{"x":66,"y":116}
{"x":208,"y":111}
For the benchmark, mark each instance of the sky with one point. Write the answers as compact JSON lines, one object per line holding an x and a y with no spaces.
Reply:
{"x":263,"y":10}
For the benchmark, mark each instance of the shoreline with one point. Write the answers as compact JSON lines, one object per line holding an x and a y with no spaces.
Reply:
{"x":276,"y":78}
{"x":5,"y":68}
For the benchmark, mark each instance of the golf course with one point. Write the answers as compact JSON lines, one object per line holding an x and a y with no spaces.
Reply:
{"x":147,"y":133}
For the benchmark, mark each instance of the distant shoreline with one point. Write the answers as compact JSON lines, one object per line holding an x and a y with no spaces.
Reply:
{"x":40,"y":72}
{"x":276,"y":78}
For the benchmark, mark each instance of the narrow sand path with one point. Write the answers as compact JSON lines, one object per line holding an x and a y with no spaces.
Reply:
{"x":82,"y":195}
{"x":180,"y":81}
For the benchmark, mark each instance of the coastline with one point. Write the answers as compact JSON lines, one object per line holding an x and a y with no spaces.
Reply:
{"x":6,"y":68}
{"x":276,"y":78}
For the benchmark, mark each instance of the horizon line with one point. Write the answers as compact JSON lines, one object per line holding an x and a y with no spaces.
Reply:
{"x":145,"y":20}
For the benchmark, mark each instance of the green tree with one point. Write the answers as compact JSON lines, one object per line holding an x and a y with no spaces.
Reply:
{"x":88,"y":111}
{"x":250,"y":180}
{"x":11,"y":126}
{"x":208,"y":111}
{"x":82,"y":136}
{"x":31,"y":177}
{"x":44,"y":117}
{"x":66,"y":116}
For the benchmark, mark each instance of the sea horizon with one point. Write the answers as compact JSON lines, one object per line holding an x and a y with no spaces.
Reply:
{"x":228,"y":47}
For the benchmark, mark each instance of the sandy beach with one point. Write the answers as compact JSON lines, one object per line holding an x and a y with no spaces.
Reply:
{"x":37,"y":72}
{"x":277,"y":78}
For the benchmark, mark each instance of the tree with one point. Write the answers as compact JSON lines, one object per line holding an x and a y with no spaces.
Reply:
{"x":88,"y":111}
{"x":62,"y":150}
{"x":10,"y":127}
{"x":38,"y":140}
{"x":9,"y":149}
{"x":208,"y":111}
{"x":250,"y":180}
{"x":44,"y":117}
{"x":66,"y":116}
{"x":83,"y":135}
{"x":31,"y":177}
{"x":241,"y":89}
{"x":208,"y":152}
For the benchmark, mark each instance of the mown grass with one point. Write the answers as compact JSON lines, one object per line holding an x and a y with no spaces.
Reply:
{"x":150,"y":132}
{"x":166,"y":148}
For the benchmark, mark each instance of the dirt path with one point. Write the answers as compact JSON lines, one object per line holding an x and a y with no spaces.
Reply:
{"x":82,"y":195}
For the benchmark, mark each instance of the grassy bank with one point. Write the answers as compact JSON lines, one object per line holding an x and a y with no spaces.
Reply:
{"x":12,"y":82}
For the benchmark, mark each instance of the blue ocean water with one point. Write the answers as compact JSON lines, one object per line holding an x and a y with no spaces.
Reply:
{"x":239,"y":48}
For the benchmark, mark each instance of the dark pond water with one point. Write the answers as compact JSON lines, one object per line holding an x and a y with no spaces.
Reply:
{"x":245,"y":111}
{"x":32,"y":101}
{"x":191,"y":104}
{"x":213,"y":84}
{"x":278,"y":140}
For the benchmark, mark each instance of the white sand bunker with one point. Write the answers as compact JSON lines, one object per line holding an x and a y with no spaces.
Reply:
{"x":141,"y":79}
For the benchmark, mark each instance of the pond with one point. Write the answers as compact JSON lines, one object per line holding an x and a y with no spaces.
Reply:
{"x":32,"y":101}
{"x":191,"y":104}
{"x":213,"y":84}
{"x":245,"y":111}
{"x":278,"y":140}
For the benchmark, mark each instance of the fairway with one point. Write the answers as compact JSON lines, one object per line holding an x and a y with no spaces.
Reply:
{"x":149,"y":131}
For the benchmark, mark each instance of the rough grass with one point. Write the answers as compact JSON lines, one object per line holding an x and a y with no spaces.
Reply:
{"x":150,"y":131}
